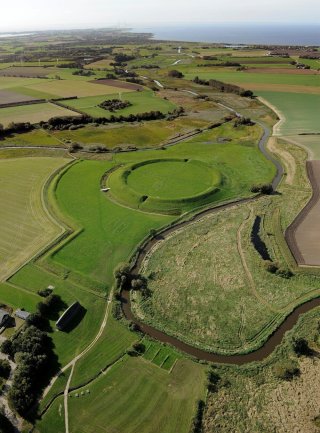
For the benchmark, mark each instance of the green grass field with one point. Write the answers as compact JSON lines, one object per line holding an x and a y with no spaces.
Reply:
{"x":141,"y":103}
{"x":172,"y":179}
{"x":107,"y":226}
{"x":153,"y":393}
{"x":290,"y":105}
{"x":71,"y":87}
{"x":237,"y":303}
{"x":26,"y":226}
{"x":146,"y":134}
{"x":258,"y":78}
{"x":129,"y":396}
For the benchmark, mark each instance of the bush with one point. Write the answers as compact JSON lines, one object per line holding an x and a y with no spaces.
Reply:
{"x":266,"y":189}
{"x":301,"y":347}
{"x":175,"y":74}
{"x":287,"y":371}
{"x":270,"y":266}
{"x":5,"y":369}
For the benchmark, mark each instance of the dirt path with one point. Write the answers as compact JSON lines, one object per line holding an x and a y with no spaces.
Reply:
{"x":287,"y":158}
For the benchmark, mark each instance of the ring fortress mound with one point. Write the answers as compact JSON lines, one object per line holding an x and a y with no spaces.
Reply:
{"x":171,"y":186}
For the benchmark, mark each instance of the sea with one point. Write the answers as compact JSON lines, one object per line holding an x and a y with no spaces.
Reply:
{"x":265,"y":34}
{"x":14,"y":35}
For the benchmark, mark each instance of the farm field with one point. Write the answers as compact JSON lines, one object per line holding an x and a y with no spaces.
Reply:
{"x":141,"y":103}
{"x":33,"y":113}
{"x":26,"y":226}
{"x":296,"y":121}
{"x":69,"y":88}
{"x":225,"y":282}
{"x":142,"y":388}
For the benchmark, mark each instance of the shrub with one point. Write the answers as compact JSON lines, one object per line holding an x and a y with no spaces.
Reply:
{"x":266,"y":189}
{"x":175,"y":74}
{"x":4,"y":369}
{"x":270,"y":266}
{"x":301,"y":347}
{"x":287,"y":371}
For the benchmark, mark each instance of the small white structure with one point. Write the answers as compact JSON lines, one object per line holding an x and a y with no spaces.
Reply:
{"x":105,"y":189}
{"x":21,"y":314}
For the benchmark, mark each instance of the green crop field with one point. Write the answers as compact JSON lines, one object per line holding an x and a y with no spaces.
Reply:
{"x":141,"y":103}
{"x":133,"y":387}
{"x":297,"y":121}
{"x":259,"y":78}
{"x":26,"y":226}
{"x":32,"y":113}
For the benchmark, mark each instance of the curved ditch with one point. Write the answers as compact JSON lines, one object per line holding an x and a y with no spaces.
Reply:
{"x":275,"y":338}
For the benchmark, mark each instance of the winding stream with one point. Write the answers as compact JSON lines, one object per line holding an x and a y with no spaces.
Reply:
{"x":273,"y":341}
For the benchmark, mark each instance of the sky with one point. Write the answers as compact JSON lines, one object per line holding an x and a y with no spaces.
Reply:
{"x":20,"y":15}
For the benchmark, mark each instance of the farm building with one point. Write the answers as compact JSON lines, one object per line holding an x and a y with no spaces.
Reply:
{"x":21,"y":314}
{"x":68,"y":315}
{"x":4,"y":316}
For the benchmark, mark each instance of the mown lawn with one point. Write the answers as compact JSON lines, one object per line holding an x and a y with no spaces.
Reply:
{"x":134,"y":396}
{"x":111,"y":232}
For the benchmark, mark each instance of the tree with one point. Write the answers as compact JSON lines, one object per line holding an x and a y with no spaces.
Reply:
{"x":301,"y":347}
{"x":175,"y":74}
{"x":4,"y":369}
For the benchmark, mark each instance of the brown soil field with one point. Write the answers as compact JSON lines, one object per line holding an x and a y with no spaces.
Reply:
{"x":8,"y":97}
{"x":303,"y":236}
{"x":119,"y":84}
{"x":280,"y":87}
{"x":291,"y":71}
{"x":27,"y":71}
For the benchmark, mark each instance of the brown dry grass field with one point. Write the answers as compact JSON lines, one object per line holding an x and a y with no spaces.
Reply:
{"x":33,"y":113}
{"x":9,"y":97}
{"x":28,"y":72}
